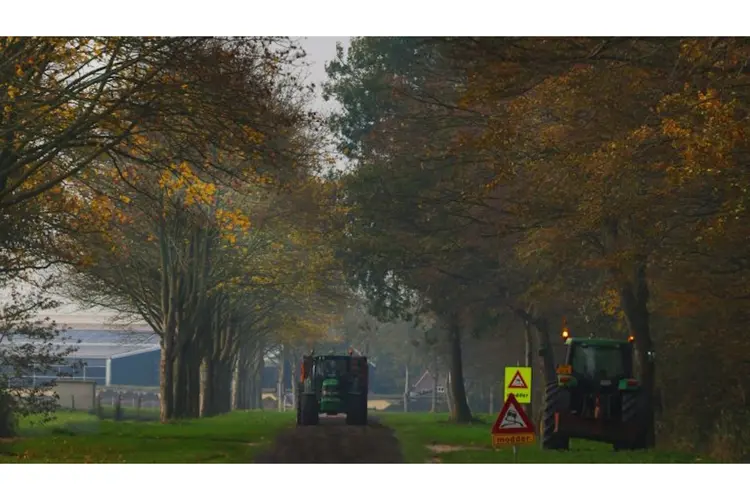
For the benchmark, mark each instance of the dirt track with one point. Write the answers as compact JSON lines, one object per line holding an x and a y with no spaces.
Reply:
{"x":332,"y":441}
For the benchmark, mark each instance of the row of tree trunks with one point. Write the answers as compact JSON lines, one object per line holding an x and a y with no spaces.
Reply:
{"x":241,"y":397}
{"x":187,"y":387}
{"x":217,"y":387}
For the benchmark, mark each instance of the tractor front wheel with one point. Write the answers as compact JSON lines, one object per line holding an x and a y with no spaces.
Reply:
{"x":557,"y":400}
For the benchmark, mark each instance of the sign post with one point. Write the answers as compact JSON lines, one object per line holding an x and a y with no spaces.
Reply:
{"x":512,"y":427}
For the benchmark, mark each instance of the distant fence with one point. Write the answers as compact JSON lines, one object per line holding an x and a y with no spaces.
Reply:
{"x":148,"y":397}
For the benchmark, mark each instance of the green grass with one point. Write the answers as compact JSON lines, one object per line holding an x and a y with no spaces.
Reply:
{"x":417,"y":431}
{"x":77,"y":437}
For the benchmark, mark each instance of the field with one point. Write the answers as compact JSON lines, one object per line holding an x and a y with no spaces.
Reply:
{"x":76,"y":437}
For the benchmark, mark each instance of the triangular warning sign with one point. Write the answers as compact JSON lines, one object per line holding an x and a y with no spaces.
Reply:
{"x":517,"y":382}
{"x":512,"y":419}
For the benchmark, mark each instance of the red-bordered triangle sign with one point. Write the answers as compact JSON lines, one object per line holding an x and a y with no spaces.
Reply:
{"x":517,"y":382}
{"x":512,"y":419}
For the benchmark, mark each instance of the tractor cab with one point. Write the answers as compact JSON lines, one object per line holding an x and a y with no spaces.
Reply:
{"x":333,"y":384}
{"x":599,"y":363}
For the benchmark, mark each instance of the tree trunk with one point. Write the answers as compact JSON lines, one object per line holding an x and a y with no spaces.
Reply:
{"x":461,"y":413}
{"x":194,"y":383}
{"x":407,"y":388}
{"x":247,"y":387}
{"x":634,"y":297}
{"x":221,"y":386}
{"x":166,"y":382}
{"x":529,"y":361}
{"x":433,"y":406}
{"x":492,"y":399}
{"x":252,"y":387}
{"x":237,"y":385}
{"x":280,"y":386}
{"x":448,"y":397}
{"x":295,"y":377}
{"x":259,"y":379}
{"x":207,"y":386}
{"x":180,"y":386}
{"x":547,"y":361}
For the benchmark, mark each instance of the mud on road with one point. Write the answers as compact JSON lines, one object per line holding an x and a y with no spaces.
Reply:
{"x":332,"y":441}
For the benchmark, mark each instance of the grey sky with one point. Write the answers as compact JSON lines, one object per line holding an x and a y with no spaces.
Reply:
{"x":321,"y":49}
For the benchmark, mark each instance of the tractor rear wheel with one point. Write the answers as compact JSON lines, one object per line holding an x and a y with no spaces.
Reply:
{"x":634,"y":411}
{"x":298,"y":404}
{"x":357,"y":412}
{"x":309,"y":411}
{"x":556,"y":400}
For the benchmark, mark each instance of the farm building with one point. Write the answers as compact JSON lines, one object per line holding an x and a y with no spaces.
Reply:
{"x":131,"y":358}
{"x":108,"y":358}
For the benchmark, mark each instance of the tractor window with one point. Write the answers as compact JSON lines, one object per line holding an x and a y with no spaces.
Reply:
{"x":598,"y":362}
{"x":332,"y":367}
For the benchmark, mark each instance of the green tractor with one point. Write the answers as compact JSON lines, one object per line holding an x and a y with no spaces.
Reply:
{"x":333,"y":384}
{"x":596,"y":397}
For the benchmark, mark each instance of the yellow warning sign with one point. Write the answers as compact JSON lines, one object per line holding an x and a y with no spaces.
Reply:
{"x":518,"y":382}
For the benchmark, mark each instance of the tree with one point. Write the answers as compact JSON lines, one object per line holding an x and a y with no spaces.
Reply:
{"x":25,"y":349}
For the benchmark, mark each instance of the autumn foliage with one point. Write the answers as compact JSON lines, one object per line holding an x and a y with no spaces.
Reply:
{"x":597,"y":179}
{"x":172,"y":180}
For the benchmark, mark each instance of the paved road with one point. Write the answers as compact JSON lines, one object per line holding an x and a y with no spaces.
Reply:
{"x":332,"y":441}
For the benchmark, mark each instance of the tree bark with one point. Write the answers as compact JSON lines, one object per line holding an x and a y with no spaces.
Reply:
{"x":492,"y":399}
{"x":166,"y":382}
{"x":433,"y":407}
{"x":207,"y":388}
{"x":461,"y":413}
{"x":222,"y":386}
{"x":252,"y":383}
{"x":237,"y":386}
{"x":259,"y":379}
{"x":194,"y":382}
{"x":529,"y":360}
{"x":181,"y":384}
{"x":448,"y":396}
{"x":280,"y":386}
{"x":295,"y":377}
{"x":220,"y":380}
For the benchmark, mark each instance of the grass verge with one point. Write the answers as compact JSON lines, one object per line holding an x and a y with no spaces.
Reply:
{"x":77,"y":437}
{"x":429,"y":437}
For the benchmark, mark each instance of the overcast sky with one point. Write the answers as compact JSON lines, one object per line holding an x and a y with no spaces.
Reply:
{"x":320,"y":50}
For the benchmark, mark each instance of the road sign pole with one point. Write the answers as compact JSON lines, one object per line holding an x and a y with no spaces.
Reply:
{"x":515,"y":448}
